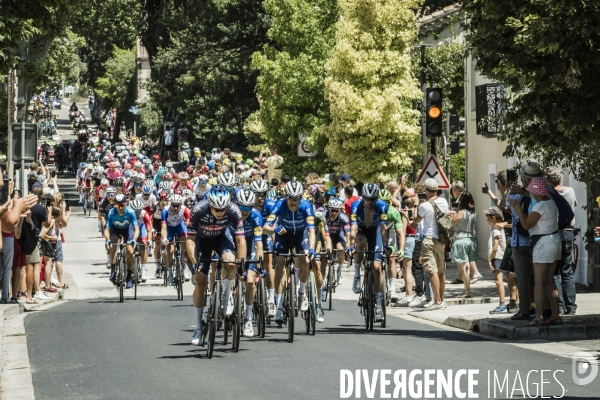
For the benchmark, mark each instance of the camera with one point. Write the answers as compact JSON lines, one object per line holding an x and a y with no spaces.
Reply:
{"x":512,"y":175}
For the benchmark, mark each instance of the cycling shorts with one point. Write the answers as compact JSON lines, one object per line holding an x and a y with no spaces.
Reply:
{"x":338,"y":239}
{"x":205,"y":247}
{"x":143,"y":238}
{"x":180,"y":230}
{"x":251,"y":253}
{"x":298,"y":240}
{"x":157,"y":226}
{"x":374,"y":241}
{"x":267,"y":242}
{"x":127,"y":233}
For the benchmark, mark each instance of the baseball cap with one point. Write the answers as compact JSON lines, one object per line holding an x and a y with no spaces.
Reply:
{"x":495,"y":211}
{"x":345,"y":178}
{"x":431,"y":184}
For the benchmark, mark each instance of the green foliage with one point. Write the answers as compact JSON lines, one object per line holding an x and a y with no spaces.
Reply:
{"x":458,"y":166}
{"x":370,"y":86}
{"x":152,"y":119}
{"x":290,"y":87}
{"x":115,"y":85}
{"x":3,"y":119}
{"x":546,"y":53}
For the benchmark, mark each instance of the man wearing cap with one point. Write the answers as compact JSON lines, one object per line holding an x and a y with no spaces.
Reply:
{"x":565,"y":282}
{"x":432,"y":250}
{"x":274,"y":164}
{"x":345,"y":181}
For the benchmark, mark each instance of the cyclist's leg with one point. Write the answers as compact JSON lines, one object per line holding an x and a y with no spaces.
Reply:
{"x":268,"y":264}
{"x":250,"y":276}
{"x":339,"y":244}
{"x":361,"y":245}
{"x":375,"y":243}
{"x":170,"y":249}
{"x":156,"y":227}
{"x":302,"y":264}
{"x":142,"y":246}
{"x":281,"y":246}
{"x":201,"y":284}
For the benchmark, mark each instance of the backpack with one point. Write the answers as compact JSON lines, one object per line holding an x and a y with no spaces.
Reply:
{"x":444,"y":224}
{"x":28,"y":239}
{"x":565,"y":212}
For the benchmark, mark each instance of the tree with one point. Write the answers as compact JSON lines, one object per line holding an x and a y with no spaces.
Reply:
{"x":290,"y":87}
{"x":370,"y":87}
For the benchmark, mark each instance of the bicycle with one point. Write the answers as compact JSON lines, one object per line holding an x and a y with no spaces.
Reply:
{"x":120,"y":280}
{"x":330,"y":280}
{"x":367,"y":301}
{"x":310,"y":315}
{"x":289,"y":292}
{"x":178,"y":278}
{"x":259,"y":309}
{"x":137,"y":271}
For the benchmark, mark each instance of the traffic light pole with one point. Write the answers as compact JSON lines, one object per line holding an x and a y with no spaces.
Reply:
{"x":424,"y":108}
{"x":446,"y":156}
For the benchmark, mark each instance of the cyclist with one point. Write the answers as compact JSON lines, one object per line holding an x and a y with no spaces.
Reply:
{"x":121,"y":221}
{"x":339,"y":232}
{"x":182,"y":182}
{"x":147,"y":197}
{"x":201,"y":187}
{"x":79,"y":181}
{"x":145,"y":226}
{"x":393,"y":238}
{"x":88,"y":184}
{"x":174,"y":220}
{"x":216,"y":221}
{"x":119,"y":184}
{"x":99,"y":195}
{"x":163,"y":202}
{"x":253,"y":223}
{"x":295,"y":228}
{"x":227,"y":179}
{"x":368,"y":218}
{"x":323,"y":242}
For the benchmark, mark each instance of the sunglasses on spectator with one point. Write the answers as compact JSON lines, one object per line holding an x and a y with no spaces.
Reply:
{"x":219,"y":210}
{"x":245,"y":208}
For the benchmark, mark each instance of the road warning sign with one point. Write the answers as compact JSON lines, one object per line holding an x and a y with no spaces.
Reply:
{"x":432,"y":170}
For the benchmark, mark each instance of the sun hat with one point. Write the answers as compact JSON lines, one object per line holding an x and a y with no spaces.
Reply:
{"x":538,"y":186}
{"x":495,"y":211}
{"x":532,"y":170}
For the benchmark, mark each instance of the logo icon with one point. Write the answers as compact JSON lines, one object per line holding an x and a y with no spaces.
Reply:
{"x":585,"y":368}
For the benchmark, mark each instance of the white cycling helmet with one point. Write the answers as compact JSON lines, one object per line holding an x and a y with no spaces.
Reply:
{"x":245,"y":197}
{"x":111,"y":189}
{"x":226,"y":179}
{"x":137,"y":205}
{"x":335,"y":204}
{"x":293,"y":189}
{"x":186,"y":193}
{"x":370,"y":191}
{"x":169,"y":164}
{"x":218,"y":199}
{"x":259,"y":186}
{"x":176,"y":199}
{"x":165,"y":185}
{"x":104,"y":182}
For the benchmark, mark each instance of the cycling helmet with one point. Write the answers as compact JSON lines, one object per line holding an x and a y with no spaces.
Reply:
{"x":137,"y":205}
{"x":385,"y":195}
{"x":161,"y":171}
{"x":370,"y":191}
{"x":133,"y":173}
{"x":164,"y":185}
{"x":245,"y":197}
{"x":186,"y":193}
{"x":104,"y":182}
{"x":127,"y":173}
{"x":126,"y":192}
{"x":120,"y":199}
{"x":169,"y":164}
{"x":218,"y":197}
{"x":183,"y":175}
{"x":174,"y":176}
{"x":203,"y":178}
{"x":167,"y":177}
{"x":335,"y":204}
{"x":226,"y":179}
{"x":138,"y":164}
{"x":105,"y":159}
{"x":149,"y":182}
{"x":89,"y":166}
{"x":82,"y":165}
{"x":259,"y":186}
{"x":146,"y":189}
{"x":119,"y":182}
{"x":142,"y":176}
{"x":294,"y":189}
{"x":176,"y":199}
{"x":163,"y":196}
{"x":271,"y":194}
{"x":111,"y":189}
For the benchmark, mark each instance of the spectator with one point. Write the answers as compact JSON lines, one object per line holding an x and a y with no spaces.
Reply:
{"x":6,"y":256}
{"x":458,"y":188}
{"x":542,"y":221}
{"x":496,"y":249}
{"x":350,"y":197}
{"x":182,"y":134}
{"x":410,"y":201}
{"x":53,"y":233}
{"x":345,"y":181}
{"x":432,"y":250}
{"x":464,"y":248}
{"x":168,"y":140}
{"x":563,"y":276}
{"x":274,"y":163}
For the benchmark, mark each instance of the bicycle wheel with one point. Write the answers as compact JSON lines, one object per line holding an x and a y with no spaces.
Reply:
{"x":179,"y":279}
{"x":291,"y":306}
{"x":330,"y":283}
{"x":370,"y":301}
{"x":121,"y":280}
{"x":385,"y":297}
{"x":212,"y":320}
{"x":262,"y":304}
{"x":313,"y":303}
{"x":239,"y":317}
{"x":136,"y":271}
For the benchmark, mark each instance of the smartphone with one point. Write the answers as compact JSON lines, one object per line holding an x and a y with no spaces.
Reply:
{"x":410,"y":214}
{"x":52,"y":174}
{"x":512,"y":175}
{"x":484,"y":188}
{"x":422,"y":196}
{"x":67,"y":205}
{"x":48,"y":203}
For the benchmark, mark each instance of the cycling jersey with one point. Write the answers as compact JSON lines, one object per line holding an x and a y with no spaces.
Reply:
{"x":207,"y":226}
{"x":379,"y":214}
{"x":100,"y":193}
{"x":114,"y":174}
{"x":176,"y":185}
{"x":265,"y":212}
{"x":292,"y":221}
{"x":171,"y":218}
{"x":338,"y":228}
{"x":149,"y":203}
{"x":116,"y":221}
{"x":144,"y":223}
{"x":253,"y":226}
{"x":106,"y":206}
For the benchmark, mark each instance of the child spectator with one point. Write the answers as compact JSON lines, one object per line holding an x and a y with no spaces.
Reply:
{"x":496,"y":248}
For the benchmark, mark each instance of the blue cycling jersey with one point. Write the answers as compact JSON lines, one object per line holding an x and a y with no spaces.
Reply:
{"x":292,"y":221}
{"x":357,"y":211}
{"x":116,"y":221}
{"x":253,"y":226}
{"x":267,"y":208}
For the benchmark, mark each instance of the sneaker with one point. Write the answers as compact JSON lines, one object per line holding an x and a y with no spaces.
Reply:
{"x":379,"y":315}
{"x":393,"y":296}
{"x":499,"y":310}
{"x":320,"y":314}
{"x":520,"y":317}
{"x":416,"y":302}
{"x":436,"y":306}
{"x":157,"y":273}
{"x":279,"y":315}
{"x":41,"y":296}
{"x":248,"y":329}
{"x":230,"y":306}
{"x":303,"y":301}
{"x":112,"y":277}
{"x":426,"y":304}
{"x":186,"y":276}
{"x":170,"y":280}
{"x":144,"y":278}
{"x":107,"y":265}
{"x":272,"y":309}
{"x":129,"y":283}
{"x":405,"y":301}
{"x":356,"y":285}
{"x":197,"y":338}
{"x":340,"y":279}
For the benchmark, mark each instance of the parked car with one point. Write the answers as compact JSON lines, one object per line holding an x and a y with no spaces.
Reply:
{"x":57,"y":103}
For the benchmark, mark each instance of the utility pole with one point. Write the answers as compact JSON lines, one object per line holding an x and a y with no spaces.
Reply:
{"x":423,"y":79}
{"x":12,"y":110}
{"x":447,"y":143}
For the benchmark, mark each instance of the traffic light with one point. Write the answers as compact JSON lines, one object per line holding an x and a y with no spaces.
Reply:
{"x":433,"y":112}
{"x":457,"y":128}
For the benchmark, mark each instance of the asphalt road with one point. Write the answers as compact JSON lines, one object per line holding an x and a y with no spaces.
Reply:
{"x":100,"y":349}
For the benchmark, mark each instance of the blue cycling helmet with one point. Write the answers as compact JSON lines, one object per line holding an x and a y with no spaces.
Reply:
{"x":82,"y":165}
{"x":146,"y":189}
{"x":162,"y":171}
{"x":127,"y":173}
{"x":218,"y":197}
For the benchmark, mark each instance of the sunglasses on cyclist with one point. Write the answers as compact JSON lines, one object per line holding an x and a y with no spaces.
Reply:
{"x":203,"y":183}
{"x":146,"y":195}
{"x":110,"y":195}
{"x":219,"y":210}
{"x":245,"y":208}
{"x":137,"y":184}
{"x":120,"y":205}
{"x":292,"y":198}
{"x":334,"y":211}
{"x":175,"y":205}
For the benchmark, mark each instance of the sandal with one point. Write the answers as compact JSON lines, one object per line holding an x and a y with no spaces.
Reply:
{"x":456,"y":282}
{"x":463,"y":296}
{"x":476,"y":278}
{"x":31,"y":301}
{"x":64,"y":286}
{"x":555,"y":321}
{"x":536,"y":322}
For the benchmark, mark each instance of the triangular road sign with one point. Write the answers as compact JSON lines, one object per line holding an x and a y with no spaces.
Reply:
{"x":432,"y":170}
